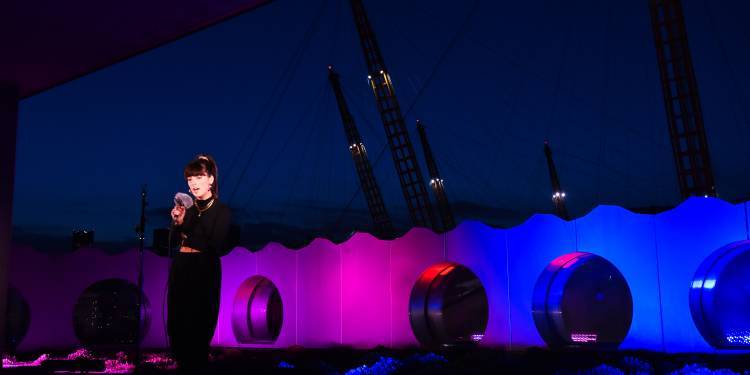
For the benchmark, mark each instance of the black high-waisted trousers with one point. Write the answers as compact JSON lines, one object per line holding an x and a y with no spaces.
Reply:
{"x":193,"y":307}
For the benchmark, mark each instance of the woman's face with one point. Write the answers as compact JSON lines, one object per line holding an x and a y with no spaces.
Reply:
{"x":200,"y":186}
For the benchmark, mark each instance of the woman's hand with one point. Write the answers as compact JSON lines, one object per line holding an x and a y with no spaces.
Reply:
{"x":178,"y":215}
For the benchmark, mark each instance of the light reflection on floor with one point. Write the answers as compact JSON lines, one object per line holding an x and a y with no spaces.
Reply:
{"x":119,"y":364}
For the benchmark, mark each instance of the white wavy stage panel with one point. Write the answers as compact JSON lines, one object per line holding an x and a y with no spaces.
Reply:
{"x":359,"y":293}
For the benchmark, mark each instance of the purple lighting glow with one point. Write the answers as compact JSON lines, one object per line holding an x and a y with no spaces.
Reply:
{"x":11,"y":362}
{"x":357,"y":293}
{"x":80,"y":354}
{"x":117,"y":365}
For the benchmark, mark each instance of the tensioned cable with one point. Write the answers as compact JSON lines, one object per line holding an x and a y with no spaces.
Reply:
{"x":537,"y":168}
{"x":574,"y":100}
{"x":303,"y":160}
{"x":313,"y":104}
{"x":505,"y":125}
{"x":739,"y":96}
{"x":513,"y":99}
{"x":481,"y":184}
{"x":441,"y":59}
{"x":521,"y":68}
{"x":576,"y":156}
{"x":445,"y":158}
{"x":360,"y":113}
{"x":297,"y":59}
{"x":559,"y":151}
{"x":358,"y":188}
{"x":267,"y":104}
{"x":604,"y":101}
{"x":316,"y":175}
{"x":293,"y":186}
{"x":270,"y":166}
{"x":426,"y":83}
{"x":502,"y":54}
{"x":333,"y":50}
{"x":578,"y":101}
{"x":553,"y":113}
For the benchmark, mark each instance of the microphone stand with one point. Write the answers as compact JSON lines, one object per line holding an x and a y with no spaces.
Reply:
{"x":141,"y":230}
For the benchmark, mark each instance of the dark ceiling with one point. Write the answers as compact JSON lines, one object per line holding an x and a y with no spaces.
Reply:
{"x":45,"y":43}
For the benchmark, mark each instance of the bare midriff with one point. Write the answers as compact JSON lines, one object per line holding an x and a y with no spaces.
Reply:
{"x":186,"y":249}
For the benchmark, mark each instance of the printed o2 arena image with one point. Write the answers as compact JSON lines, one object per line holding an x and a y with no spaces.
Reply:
{"x":297,"y":249}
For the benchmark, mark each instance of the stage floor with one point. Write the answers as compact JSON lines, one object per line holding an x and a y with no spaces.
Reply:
{"x":297,"y":360}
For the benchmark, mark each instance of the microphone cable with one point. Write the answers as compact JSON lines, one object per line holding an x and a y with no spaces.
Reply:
{"x":166,"y":287}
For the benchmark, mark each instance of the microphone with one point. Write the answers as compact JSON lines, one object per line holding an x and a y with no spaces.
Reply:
{"x":183,"y":200}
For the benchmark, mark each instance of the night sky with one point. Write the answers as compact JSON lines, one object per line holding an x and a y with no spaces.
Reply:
{"x":490,"y":79}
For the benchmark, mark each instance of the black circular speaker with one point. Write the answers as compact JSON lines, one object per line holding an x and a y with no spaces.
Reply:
{"x":582,"y":300}
{"x":17,"y":320}
{"x":720,"y":297}
{"x":257,"y":314}
{"x":448,"y":306}
{"x":106,"y":314}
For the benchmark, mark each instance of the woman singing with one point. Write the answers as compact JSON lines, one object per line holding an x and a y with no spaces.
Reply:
{"x":195,"y":276}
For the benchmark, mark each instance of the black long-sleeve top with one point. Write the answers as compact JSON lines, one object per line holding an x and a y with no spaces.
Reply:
{"x":209,"y":232}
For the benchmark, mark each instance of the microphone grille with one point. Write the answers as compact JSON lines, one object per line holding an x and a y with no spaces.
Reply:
{"x":182,"y":199}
